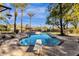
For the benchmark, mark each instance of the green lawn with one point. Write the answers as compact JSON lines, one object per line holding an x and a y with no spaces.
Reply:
{"x":54,"y":32}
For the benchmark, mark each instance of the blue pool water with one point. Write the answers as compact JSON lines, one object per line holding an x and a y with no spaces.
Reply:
{"x":45,"y":38}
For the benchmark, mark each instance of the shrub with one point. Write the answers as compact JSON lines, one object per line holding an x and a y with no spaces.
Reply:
{"x":71,"y":30}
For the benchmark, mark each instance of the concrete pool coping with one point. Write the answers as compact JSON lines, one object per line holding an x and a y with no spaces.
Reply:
{"x":61,"y":41}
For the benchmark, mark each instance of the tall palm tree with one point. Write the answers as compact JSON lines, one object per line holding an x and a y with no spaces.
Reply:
{"x":30,"y":16}
{"x":16,"y":5}
{"x":22,"y":6}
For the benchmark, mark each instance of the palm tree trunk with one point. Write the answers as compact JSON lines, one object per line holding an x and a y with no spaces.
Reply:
{"x":61,"y":25}
{"x":30,"y":29}
{"x":30,"y":23}
{"x":21,"y":20}
{"x":15,"y":21}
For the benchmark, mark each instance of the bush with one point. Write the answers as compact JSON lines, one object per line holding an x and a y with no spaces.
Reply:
{"x":17,"y":31}
{"x":77,"y":30}
{"x":55,"y":30}
{"x":71,"y":30}
{"x":8,"y":29}
{"x":74,"y":30}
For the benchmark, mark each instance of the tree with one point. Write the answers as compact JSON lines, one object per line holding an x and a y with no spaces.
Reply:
{"x":52,"y":22}
{"x":30,"y":16}
{"x":73,"y":15}
{"x":22,"y":6}
{"x":58,"y":11}
{"x":16,"y":5}
{"x":5,"y":21}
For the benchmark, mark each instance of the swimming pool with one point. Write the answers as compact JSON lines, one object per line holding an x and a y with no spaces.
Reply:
{"x":45,"y":38}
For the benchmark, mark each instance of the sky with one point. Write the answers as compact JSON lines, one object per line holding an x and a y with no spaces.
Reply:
{"x":38,"y":9}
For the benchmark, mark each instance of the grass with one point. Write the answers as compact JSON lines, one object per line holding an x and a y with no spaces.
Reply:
{"x":56,"y":33}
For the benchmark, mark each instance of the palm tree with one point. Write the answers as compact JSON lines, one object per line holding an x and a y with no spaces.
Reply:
{"x":30,"y":16}
{"x":22,"y":6}
{"x":16,"y":5}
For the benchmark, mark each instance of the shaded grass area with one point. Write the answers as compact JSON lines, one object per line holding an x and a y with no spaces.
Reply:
{"x":68,"y":35}
{"x":56,"y":33}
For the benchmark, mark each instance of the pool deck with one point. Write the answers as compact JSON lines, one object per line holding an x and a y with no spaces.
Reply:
{"x":70,"y":47}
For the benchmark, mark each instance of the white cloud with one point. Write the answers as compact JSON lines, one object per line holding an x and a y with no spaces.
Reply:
{"x":40,"y":16}
{"x":40,"y":12}
{"x":36,"y":10}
